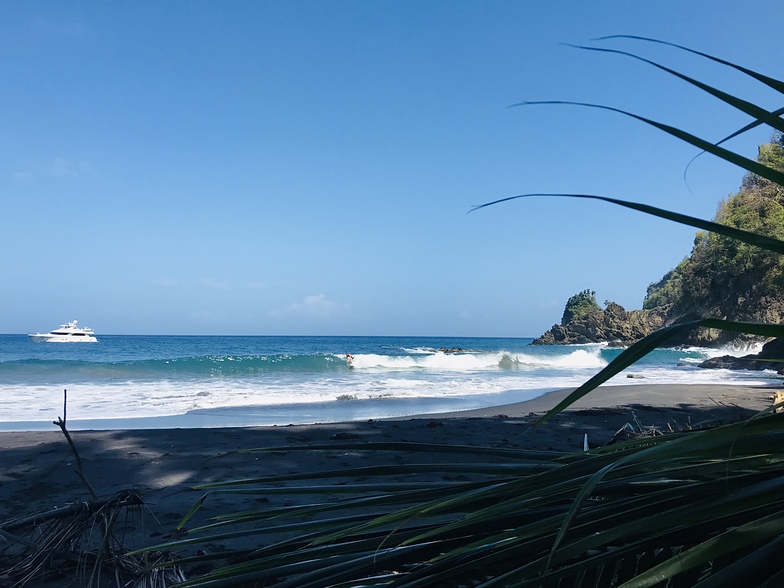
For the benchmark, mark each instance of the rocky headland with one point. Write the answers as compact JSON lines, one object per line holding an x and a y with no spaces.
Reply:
{"x":613,"y":324}
{"x":722,"y":278}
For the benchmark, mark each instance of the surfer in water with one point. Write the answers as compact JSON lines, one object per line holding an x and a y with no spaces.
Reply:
{"x":350,"y":360}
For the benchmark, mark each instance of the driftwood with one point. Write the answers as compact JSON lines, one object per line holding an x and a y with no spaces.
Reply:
{"x":629,"y":432}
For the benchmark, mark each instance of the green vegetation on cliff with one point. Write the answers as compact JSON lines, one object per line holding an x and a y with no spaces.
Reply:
{"x":579,"y":305}
{"x":725,"y":278}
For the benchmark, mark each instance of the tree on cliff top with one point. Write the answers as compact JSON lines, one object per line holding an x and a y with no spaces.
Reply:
{"x":579,"y":305}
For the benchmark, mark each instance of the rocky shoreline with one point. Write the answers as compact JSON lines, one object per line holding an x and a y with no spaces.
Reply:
{"x":771,"y":357}
{"x":618,"y":327}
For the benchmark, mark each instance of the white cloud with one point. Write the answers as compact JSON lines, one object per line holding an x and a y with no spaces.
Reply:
{"x":257,"y":285}
{"x":61,"y":168}
{"x":467,"y":315}
{"x":212,"y":283}
{"x":57,"y":168}
{"x":201,"y":315}
{"x":316,"y":306}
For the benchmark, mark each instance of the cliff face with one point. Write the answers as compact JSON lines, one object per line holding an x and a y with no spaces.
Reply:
{"x":721,"y":278}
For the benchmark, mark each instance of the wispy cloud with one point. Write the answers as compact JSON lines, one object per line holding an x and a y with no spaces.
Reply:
{"x":23,"y":176}
{"x":213,"y":283}
{"x":62,"y":168}
{"x":316,"y":306}
{"x":57,"y":168}
{"x":468,"y":315}
{"x":201,"y":315}
{"x":257,"y":285}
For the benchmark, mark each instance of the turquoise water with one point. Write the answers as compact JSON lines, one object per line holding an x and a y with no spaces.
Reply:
{"x":179,"y":381}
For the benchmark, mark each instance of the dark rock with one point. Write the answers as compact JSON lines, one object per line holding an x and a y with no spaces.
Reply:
{"x":772,"y":350}
{"x":455,"y":350}
{"x":612,"y":325}
{"x":770,"y":357}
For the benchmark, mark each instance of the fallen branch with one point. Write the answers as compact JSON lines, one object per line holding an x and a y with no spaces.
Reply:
{"x":60,"y":422}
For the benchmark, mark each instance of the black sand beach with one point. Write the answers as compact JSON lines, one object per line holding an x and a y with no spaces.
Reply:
{"x":164,"y":465}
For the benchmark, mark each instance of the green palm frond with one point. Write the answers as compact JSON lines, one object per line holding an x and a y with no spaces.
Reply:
{"x":761,"y":115}
{"x":755,"y":239}
{"x":694,"y":499}
{"x":773,"y":83}
{"x":744,"y":162}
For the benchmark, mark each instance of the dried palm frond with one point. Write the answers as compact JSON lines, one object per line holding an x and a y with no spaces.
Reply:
{"x":81,"y":541}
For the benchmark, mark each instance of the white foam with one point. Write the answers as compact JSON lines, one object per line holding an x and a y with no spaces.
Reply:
{"x":580,"y":358}
{"x":429,"y":375}
{"x":735,"y":350}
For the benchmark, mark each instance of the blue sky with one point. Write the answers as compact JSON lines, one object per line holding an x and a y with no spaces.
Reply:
{"x":304,"y":167}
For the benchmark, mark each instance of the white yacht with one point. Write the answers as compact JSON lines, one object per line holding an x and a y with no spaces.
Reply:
{"x":65,"y":334}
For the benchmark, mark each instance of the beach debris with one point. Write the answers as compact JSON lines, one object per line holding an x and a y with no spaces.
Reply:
{"x":628,"y":432}
{"x":344,"y":435}
{"x":84,"y":542}
{"x":79,"y":540}
{"x":778,"y":398}
{"x":585,"y":442}
{"x":637,"y":422}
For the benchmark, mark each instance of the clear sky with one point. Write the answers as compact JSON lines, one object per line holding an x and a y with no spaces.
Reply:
{"x":306,"y":168}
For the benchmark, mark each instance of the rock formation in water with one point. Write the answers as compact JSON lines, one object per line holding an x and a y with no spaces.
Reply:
{"x":613,"y":324}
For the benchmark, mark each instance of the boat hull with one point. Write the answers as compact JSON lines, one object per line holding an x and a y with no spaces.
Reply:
{"x":46,"y":338}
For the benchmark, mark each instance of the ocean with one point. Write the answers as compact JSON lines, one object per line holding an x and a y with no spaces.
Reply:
{"x":129,"y":381}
